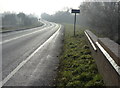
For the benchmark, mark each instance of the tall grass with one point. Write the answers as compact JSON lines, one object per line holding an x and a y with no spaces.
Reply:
{"x":77,"y":67}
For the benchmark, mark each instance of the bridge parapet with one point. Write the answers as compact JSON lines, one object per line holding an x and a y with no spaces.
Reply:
{"x":106,"y":54}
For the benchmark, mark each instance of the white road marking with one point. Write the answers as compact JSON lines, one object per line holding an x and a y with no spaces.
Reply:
{"x":23,"y":35}
{"x":27,"y":59}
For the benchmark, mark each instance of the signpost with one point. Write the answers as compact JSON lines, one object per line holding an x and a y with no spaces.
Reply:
{"x":75,"y":11}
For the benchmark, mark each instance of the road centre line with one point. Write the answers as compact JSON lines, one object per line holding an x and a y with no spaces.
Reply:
{"x":28,"y":58}
{"x":5,"y":41}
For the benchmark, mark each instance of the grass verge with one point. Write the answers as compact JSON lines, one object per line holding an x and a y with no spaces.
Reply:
{"x":77,"y":67}
{"x":21,"y":27}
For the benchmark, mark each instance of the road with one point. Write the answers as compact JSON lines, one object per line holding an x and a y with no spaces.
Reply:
{"x":30,"y":57}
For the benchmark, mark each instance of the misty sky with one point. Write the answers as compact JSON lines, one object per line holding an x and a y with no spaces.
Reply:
{"x":37,"y":6}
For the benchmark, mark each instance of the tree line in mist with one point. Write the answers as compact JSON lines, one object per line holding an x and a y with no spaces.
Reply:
{"x":20,"y":20}
{"x":60,"y":17}
{"x":101,"y":17}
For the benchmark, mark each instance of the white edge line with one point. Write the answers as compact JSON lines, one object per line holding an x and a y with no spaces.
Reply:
{"x":110,"y":59}
{"x":91,"y":41}
{"x":28,"y":58}
{"x":24,"y":35}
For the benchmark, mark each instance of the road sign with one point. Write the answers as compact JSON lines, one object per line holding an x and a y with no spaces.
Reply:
{"x":75,"y":11}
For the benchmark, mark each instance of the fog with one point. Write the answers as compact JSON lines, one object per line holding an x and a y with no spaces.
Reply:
{"x":101,"y":17}
{"x":37,"y":7}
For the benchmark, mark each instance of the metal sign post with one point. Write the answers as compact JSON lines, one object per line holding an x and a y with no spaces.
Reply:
{"x":75,"y":11}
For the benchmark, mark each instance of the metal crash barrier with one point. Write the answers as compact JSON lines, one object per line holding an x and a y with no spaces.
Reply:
{"x":106,"y":54}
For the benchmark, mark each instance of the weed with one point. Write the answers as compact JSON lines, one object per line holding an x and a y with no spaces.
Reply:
{"x":77,"y":67}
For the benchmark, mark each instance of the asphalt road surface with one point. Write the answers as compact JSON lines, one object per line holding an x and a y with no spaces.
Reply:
{"x":30,"y":57}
